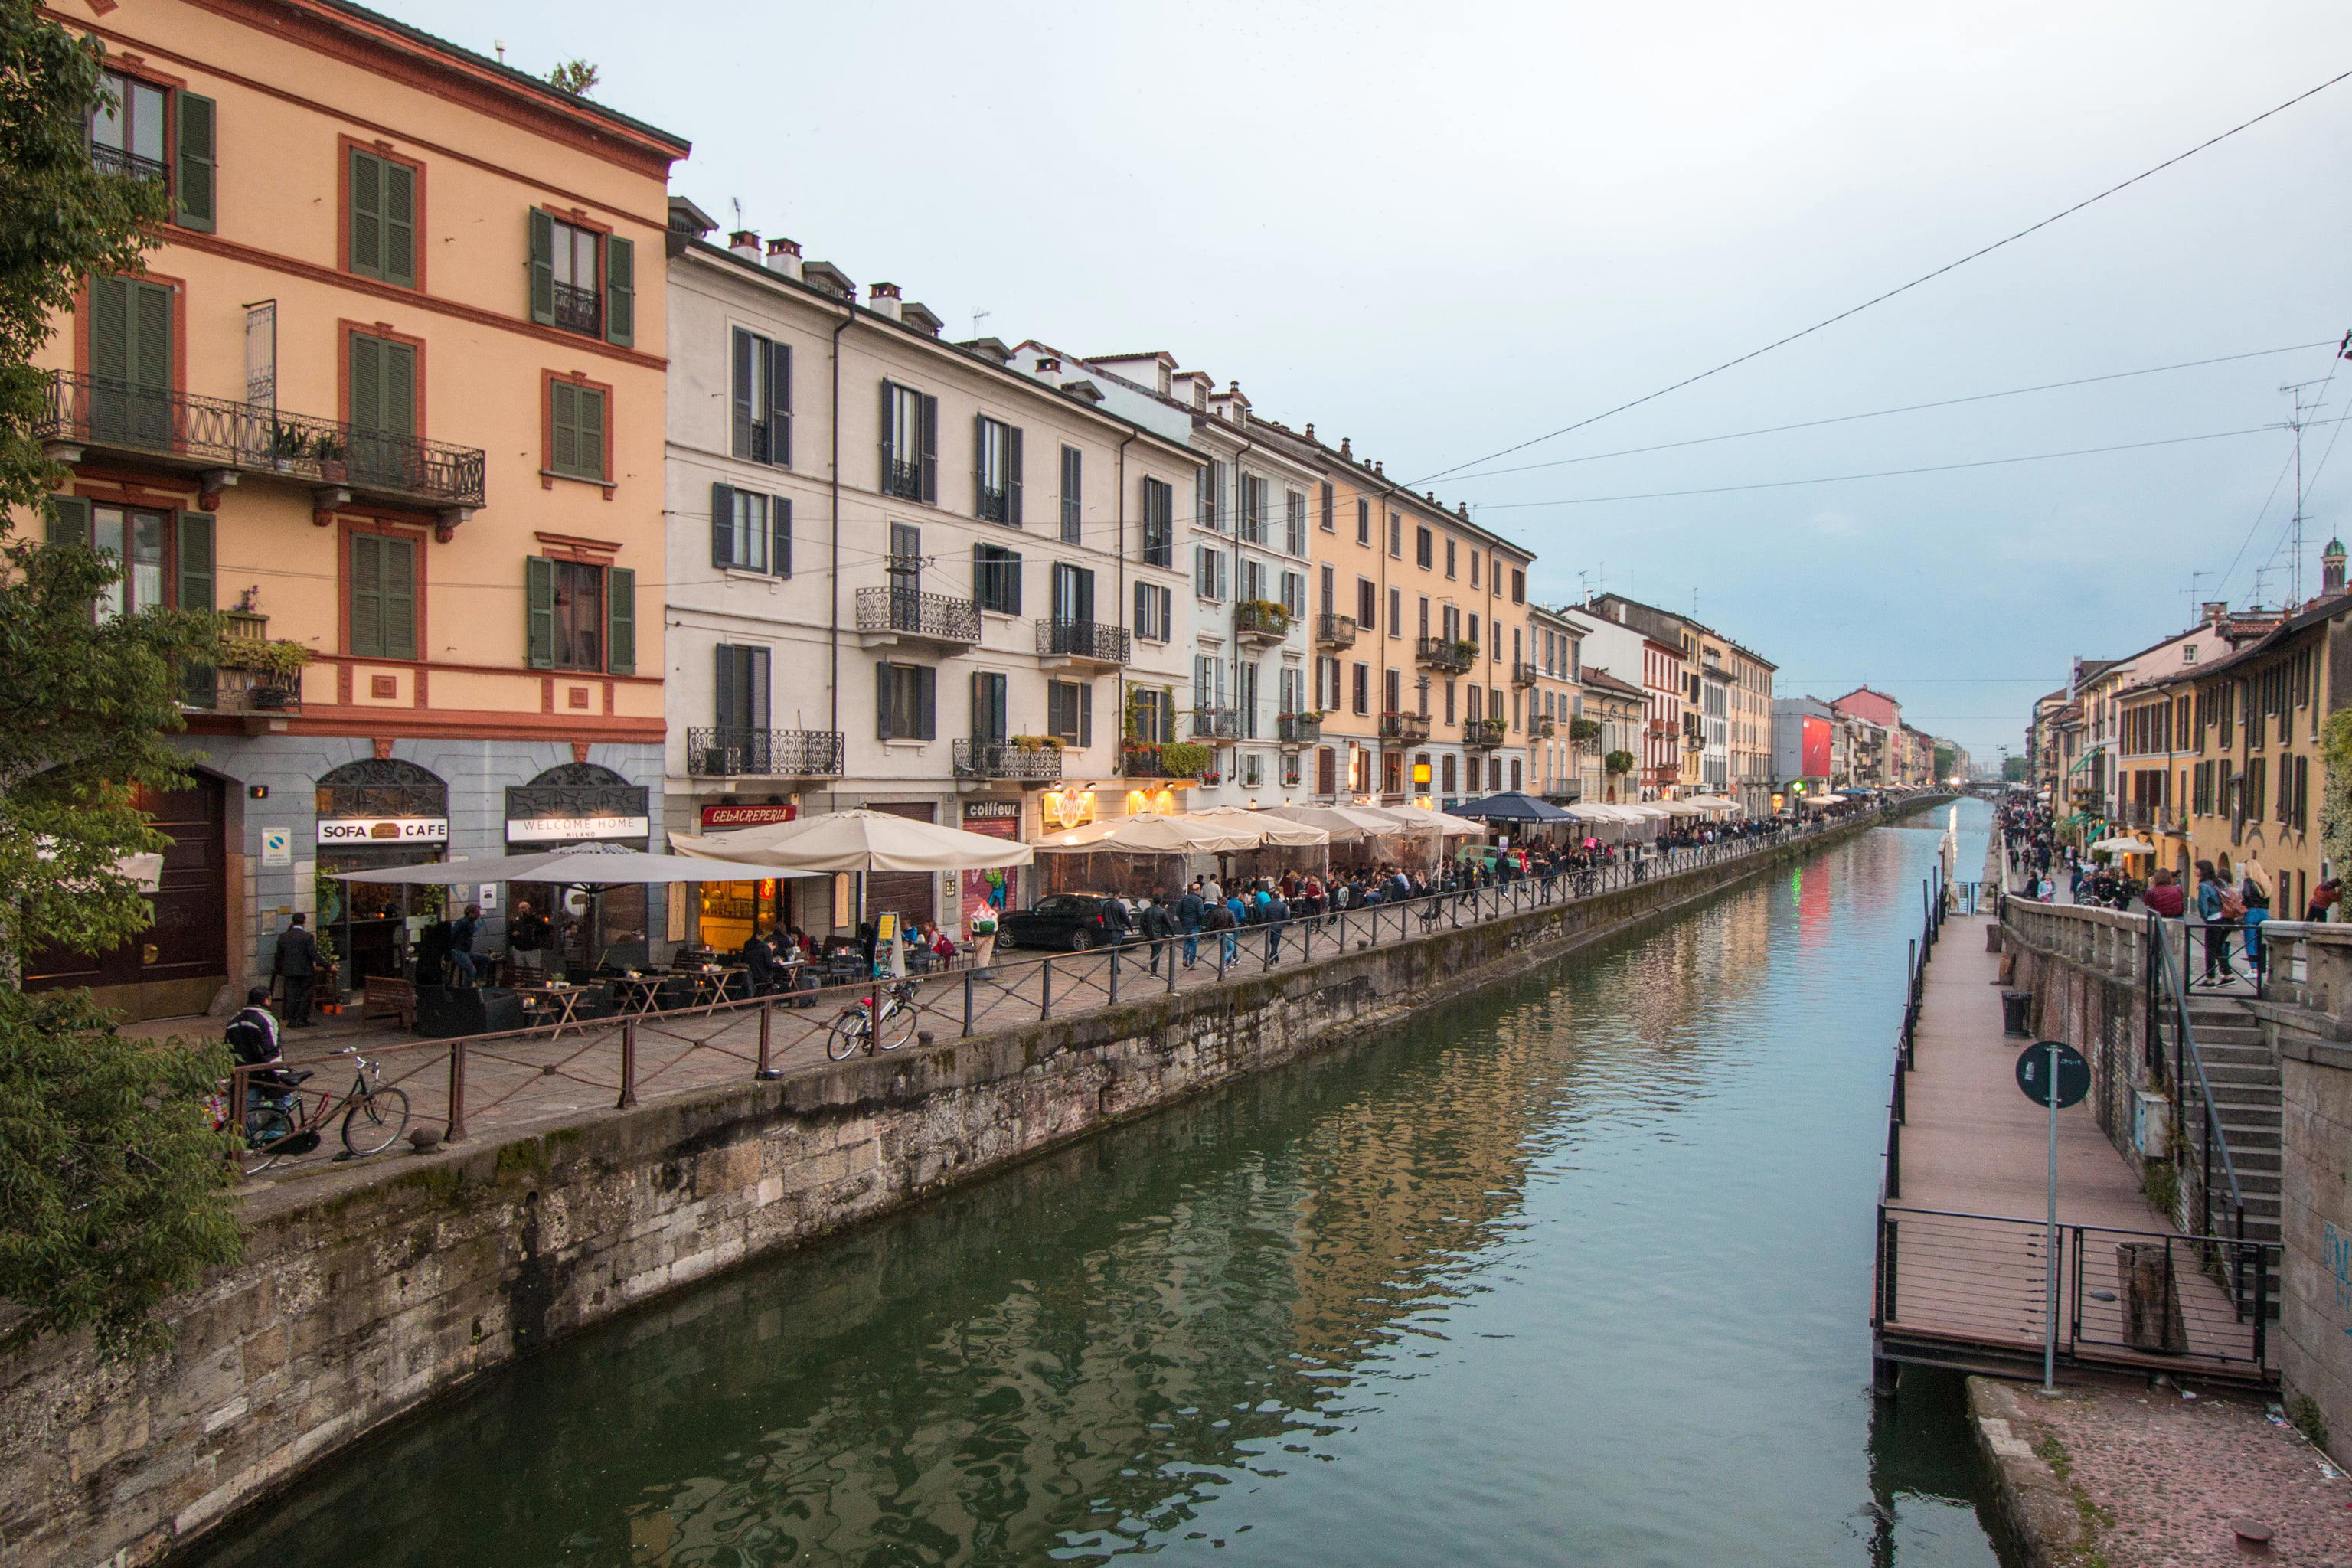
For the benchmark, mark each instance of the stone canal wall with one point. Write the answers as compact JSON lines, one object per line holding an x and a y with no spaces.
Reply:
{"x":355,"y":1305}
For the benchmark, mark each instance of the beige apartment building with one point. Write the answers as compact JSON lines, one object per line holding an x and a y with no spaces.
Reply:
{"x":1557,"y":707}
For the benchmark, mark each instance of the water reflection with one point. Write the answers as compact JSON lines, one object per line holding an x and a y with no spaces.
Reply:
{"x":1575,"y":1274}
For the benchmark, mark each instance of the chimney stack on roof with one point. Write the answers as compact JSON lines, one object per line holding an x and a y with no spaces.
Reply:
{"x":744,"y":243}
{"x":784,"y":257}
{"x":882,"y":298}
{"x":2216,"y":611}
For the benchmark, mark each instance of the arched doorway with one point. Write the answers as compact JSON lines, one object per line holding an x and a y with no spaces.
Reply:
{"x":377,"y":812}
{"x":180,"y":962}
{"x":583,"y":804}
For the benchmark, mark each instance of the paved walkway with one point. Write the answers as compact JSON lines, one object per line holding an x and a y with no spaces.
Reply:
{"x":1968,"y":1223}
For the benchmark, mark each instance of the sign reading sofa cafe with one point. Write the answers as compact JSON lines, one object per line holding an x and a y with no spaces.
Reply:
{"x":349,"y":830}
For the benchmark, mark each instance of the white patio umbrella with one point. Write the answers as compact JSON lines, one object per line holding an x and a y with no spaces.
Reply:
{"x":854,"y":841}
{"x":1345,"y":824}
{"x":1284,"y":832}
{"x":1152,"y":833}
{"x":1428,"y":821}
{"x":585,"y":867}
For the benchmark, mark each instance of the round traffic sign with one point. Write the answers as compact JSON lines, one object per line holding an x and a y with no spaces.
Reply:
{"x":2034,"y":1078}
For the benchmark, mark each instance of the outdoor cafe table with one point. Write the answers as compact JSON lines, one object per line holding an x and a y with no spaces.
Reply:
{"x":555,"y":1001}
{"x":710,"y":981}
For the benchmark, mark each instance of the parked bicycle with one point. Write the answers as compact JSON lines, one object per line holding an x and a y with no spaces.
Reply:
{"x":280,"y":1123}
{"x":853,"y":1027}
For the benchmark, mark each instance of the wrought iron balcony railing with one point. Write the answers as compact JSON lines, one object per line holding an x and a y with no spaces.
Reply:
{"x":1003,"y":759}
{"x":901,"y":477}
{"x":1543,"y":729}
{"x":1096,"y":640}
{"x":239,"y":690}
{"x":994,"y":505}
{"x":203,"y":432}
{"x":121,"y":161}
{"x":723,"y":752}
{"x":910,"y":612}
{"x":1298,"y":729}
{"x":1260,"y":620}
{"x":1406,"y":727}
{"x":1523,"y":672}
{"x":1453,"y":655}
{"x":579,"y":309}
{"x":1216,"y":723}
{"x":1333,"y":633}
{"x":1484,"y":734}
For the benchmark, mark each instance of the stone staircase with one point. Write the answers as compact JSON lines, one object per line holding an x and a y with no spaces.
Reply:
{"x":2243,"y":1071}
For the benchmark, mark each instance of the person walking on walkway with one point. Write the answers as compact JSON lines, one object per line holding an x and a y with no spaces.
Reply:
{"x":1190,"y":909}
{"x":2255,"y":896}
{"x":298,"y":965}
{"x":2220,"y":908}
{"x":1224,"y":920}
{"x":1157,"y":927}
{"x":1275,"y":913}
{"x":2164,"y":896}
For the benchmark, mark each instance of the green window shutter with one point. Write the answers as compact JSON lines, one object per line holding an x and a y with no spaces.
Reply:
{"x":542,"y":268}
{"x":620,"y":291}
{"x":722,"y":525}
{"x":539,"y":611}
{"x":780,"y":404}
{"x":399,"y":224}
{"x":110,"y":329}
{"x":926,"y":702}
{"x":69,"y":520}
{"x":192,"y":590}
{"x":591,"y":434}
{"x":400,"y":598}
{"x":367,"y":382}
{"x":889,"y":449}
{"x":930,"y":449}
{"x":564,"y":426}
{"x":198,"y":116}
{"x":882,"y":702}
{"x":150,"y":336}
{"x":620,"y":620}
{"x":395,"y":388}
{"x":779,"y":535}
{"x":1012,"y":476}
{"x":366,"y":216}
{"x":367,"y":595}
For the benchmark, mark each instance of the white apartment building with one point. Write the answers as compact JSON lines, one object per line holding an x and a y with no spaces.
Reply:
{"x":903,"y":575}
{"x":1555,"y":762}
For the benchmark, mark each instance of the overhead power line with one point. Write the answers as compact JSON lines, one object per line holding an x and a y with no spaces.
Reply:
{"x":1902,"y":288}
{"x":1883,"y":412}
{"x":1897,"y":473}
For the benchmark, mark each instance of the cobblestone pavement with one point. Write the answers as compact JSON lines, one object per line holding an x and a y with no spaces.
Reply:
{"x":2173,"y":1474}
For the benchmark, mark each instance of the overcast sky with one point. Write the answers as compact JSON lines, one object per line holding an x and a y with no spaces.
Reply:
{"x":1445,"y":234}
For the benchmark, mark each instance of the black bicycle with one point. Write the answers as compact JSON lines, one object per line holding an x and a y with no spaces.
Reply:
{"x":280,"y":1123}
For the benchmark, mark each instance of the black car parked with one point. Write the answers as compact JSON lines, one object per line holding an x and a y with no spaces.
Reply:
{"x":1074,"y":921}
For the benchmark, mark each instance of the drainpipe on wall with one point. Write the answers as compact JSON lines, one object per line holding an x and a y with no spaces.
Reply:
{"x":832,"y":632}
{"x":1119,"y":609}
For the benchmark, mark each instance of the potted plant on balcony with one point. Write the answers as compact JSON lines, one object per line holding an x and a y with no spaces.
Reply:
{"x":1267,"y":616}
{"x":1582,"y":733}
{"x":1618,"y":763}
{"x":275,"y":667}
{"x":1037,"y":743}
{"x":1184,"y":759}
{"x":330,"y":452}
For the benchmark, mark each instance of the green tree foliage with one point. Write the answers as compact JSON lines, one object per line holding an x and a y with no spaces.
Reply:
{"x":111,"y":1175}
{"x":2336,"y":799}
{"x":2016,"y":770}
{"x":577,"y":77}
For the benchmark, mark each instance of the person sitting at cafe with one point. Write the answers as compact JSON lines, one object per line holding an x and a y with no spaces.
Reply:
{"x":941,"y":945}
{"x":761,"y":972}
{"x":466,"y":967}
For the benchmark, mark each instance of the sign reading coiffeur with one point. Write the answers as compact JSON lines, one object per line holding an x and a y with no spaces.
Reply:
{"x":383,"y":830}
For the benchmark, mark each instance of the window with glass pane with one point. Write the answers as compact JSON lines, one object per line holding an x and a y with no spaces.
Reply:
{"x":753,"y":522}
{"x":579,"y":297}
{"x":126,"y":134}
{"x":1159,"y":523}
{"x":1073,"y":513}
{"x":995,"y":470}
{"x":996,"y":578}
{"x":579,"y":616}
{"x":763,"y":399}
{"x":1295,"y":523}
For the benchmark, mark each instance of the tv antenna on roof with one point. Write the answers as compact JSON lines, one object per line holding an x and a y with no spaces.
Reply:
{"x":2302,"y":417}
{"x":978,"y":316}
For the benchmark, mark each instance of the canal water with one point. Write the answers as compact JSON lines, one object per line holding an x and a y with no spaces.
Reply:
{"x":1577,"y":1272}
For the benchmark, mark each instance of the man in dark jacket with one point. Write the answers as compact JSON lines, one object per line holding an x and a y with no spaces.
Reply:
{"x":1190,"y":912}
{"x":761,"y":971}
{"x":298,"y":965}
{"x":252,"y":1037}
{"x":1157,"y":927}
{"x":1275,"y":912}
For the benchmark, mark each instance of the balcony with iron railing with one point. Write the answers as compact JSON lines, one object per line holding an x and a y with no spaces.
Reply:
{"x":1149,"y":760}
{"x":908,"y":615}
{"x":1334,"y":634}
{"x":1216,"y":723}
{"x":1455,"y":656}
{"x":1484,"y":735}
{"x":1523,"y":672}
{"x":1006,"y":760}
{"x":722,"y":751}
{"x":1298,"y":729}
{"x":901,"y":477}
{"x":164,"y":429}
{"x":1542,"y":728}
{"x":1260,"y":623}
{"x":243,"y":691}
{"x":1409,"y":728}
{"x":579,"y":309}
{"x":1082,"y":642}
{"x":122,"y":161}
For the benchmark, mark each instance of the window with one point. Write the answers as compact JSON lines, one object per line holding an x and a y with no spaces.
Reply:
{"x":1245,"y":697}
{"x":906,"y":702}
{"x":1291,"y":687}
{"x":582,"y":281}
{"x":128,"y":135}
{"x":1518,"y":585}
{"x":1327,"y":684}
{"x":1070,"y":712}
{"x":580,"y":616}
{"x":1360,"y":692}
{"x":1473,"y":568}
{"x":763,"y":399}
{"x":575,"y":430}
{"x":751,"y":531}
{"x":740,"y":705}
{"x":384,"y":596}
{"x":1208,"y":494}
{"x":988,"y":719}
{"x":1074,"y":593}
{"x":1155,"y":612}
{"x":1073,"y":468}
{"x":1425,"y":617}
{"x":1208,"y":572}
{"x":130,"y":353}
{"x":1449,"y":558}
{"x":1159,"y":523}
{"x":1327,"y":591}
{"x":1449,"y":703}
{"x":2301,"y":816}
{"x":995,"y":471}
{"x":1327,"y":517}
{"x":382,"y":401}
{"x":1368,"y":604}
{"x":1295,"y":521}
{"x":1391,"y":691}
{"x":1208,"y":681}
{"x":2251,"y":790}
{"x":1294,"y":595}
{"x":1396,"y":536}
{"x":910,"y":444}
{"x":168,"y":556}
{"x":1364,"y":523}
{"x":1150,"y":715}
{"x":1254,"y":508}
{"x":1447,"y":768}
{"x":996,"y":579}
{"x":380,"y":232}
{"x":1252,"y":579}
{"x":1424,"y":547}
{"x":1253,"y":770}
{"x":1474,"y":627}
{"x":1396,"y":612}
